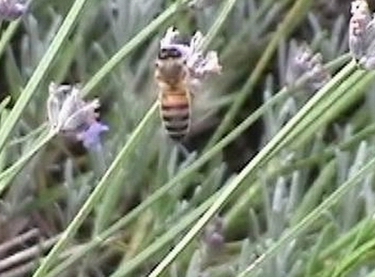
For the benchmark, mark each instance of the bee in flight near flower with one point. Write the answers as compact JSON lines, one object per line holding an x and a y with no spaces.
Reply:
{"x":179,"y":72}
{"x":174,"y":96}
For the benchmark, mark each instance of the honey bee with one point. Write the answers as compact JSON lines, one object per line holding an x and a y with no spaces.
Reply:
{"x":172,"y":78}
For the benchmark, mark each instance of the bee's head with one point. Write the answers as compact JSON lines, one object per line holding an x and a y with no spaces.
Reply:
{"x":169,"y":53}
{"x":171,"y":63}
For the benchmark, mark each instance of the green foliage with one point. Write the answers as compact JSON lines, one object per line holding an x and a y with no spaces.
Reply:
{"x":273,"y":180}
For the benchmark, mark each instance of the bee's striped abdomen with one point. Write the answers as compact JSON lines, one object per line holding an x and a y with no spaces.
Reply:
{"x":175,"y":113}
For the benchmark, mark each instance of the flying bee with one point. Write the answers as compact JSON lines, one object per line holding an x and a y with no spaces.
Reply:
{"x":172,"y":78}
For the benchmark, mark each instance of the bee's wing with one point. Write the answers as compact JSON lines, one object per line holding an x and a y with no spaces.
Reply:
{"x":370,"y":36}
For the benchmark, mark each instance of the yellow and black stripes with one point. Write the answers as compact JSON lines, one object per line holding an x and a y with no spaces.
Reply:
{"x":175,"y":113}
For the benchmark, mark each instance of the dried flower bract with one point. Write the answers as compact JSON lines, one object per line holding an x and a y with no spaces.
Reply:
{"x":12,"y":9}
{"x":200,"y":65}
{"x":69,"y":114}
{"x":303,"y":62}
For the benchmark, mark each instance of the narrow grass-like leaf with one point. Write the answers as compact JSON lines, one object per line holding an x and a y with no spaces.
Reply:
{"x":131,"y":46}
{"x":326,"y":108}
{"x":40,"y":71}
{"x":264,"y":155}
{"x":315,"y":214}
{"x":296,"y":14}
{"x":311,"y":217}
{"x":8,"y":34}
{"x":4,"y":103}
{"x":95,"y":196}
{"x":162,"y":241}
{"x":8,"y":175}
{"x":191,"y":169}
{"x":225,"y":10}
{"x":312,"y":197}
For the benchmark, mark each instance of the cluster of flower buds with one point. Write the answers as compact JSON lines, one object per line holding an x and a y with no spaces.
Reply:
{"x":70,"y":115}
{"x":12,"y":9}
{"x":362,"y":34}
{"x":303,"y":62}
{"x":199,"y":65}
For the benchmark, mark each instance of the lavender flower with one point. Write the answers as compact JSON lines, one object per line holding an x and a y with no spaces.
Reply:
{"x":12,"y":9}
{"x":200,"y":66}
{"x":213,"y":237}
{"x":70,"y":115}
{"x":302,"y":61}
{"x":91,"y":136}
{"x":362,"y":34}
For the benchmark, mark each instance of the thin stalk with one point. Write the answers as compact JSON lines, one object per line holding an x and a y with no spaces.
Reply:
{"x":315,"y":159}
{"x":128,"y":267}
{"x":296,"y":13}
{"x":316,"y":213}
{"x":328,"y":153}
{"x":95,"y":196}
{"x":263,"y":156}
{"x":176,"y":181}
{"x":40,"y":71}
{"x":8,"y":34}
{"x":323,"y":112}
{"x":131,"y":46}
{"x":215,"y":28}
{"x":10,"y":173}
{"x":311,"y":217}
{"x":27,"y":254}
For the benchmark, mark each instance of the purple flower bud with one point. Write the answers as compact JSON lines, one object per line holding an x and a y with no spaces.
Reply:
{"x":12,"y":9}
{"x":302,"y":61}
{"x":213,"y":237}
{"x":91,"y":136}
{"x":73,"y":117}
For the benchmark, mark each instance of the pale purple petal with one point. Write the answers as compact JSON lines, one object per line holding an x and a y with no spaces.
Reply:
{"x":12,"y":9}
{"x":170,"y":37}
{"x":91,"y":136}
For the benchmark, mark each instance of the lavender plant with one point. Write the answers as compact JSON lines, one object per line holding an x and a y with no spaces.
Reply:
{"x":82,"y":198}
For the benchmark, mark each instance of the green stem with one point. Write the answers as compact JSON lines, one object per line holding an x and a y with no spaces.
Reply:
{"x":8,"y":175}
{"x":296,"y":13}
{"x":260,"y":159}
{"x":215,"y":28}
{"x":8,"y":34}
{"x":162,"y":241}
{"x":311,"y":217}
{"x":40,"y":71}
{"x":176,"y":181}
{"x":316,"y":213}
{"x":131,"y":46}
{"x":94,"y":196}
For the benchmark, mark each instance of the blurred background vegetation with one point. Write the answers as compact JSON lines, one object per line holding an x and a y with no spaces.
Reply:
{"x":157,"y":193}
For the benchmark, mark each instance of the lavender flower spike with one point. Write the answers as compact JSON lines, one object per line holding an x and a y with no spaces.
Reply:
{"x":302,"y":61}
{"x":70,"y":115}
{"x":12,"y":9}
{"x":361,"y":17}
{"x":66,"y":109}
{"x":199,"y":65}
{"x":362,"y":34}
